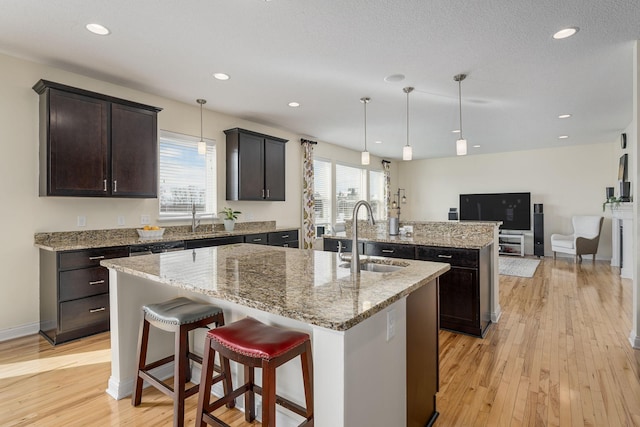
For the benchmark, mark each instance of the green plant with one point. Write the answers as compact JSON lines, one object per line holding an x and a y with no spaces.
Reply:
{"x":230,"y":213}
{"x":615,"y":201}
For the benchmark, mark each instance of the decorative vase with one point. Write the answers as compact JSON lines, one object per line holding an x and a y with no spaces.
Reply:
{"x":229,"y":224}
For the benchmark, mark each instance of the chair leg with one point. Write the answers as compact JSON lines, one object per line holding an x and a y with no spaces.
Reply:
{"x":268,"y":394}
{"x":143,"y":341}
{"x":554,"y":255}
{"x":179,"y":376}
{"x":307,"y":378}
{"x":206,"y":380}
{"x":227,"y":385}
{"x":249,"y":396}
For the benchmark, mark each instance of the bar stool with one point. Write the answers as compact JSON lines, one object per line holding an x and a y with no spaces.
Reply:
{"x":256,"y":345}
{"x":179,"y":315}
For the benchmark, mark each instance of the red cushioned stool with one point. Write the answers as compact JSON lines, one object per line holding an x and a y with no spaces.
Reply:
{"x":179,"y":315}
{"x":255,"y":345}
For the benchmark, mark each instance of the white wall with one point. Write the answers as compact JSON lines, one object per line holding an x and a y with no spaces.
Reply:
{"x":568,"y":181}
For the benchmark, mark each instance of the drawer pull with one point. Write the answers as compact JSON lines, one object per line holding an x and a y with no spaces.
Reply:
{"x":445,"y":256}
{"x":286,"y":245}
{"x":257,"y":240}
{"x":285,"y":236}
{"x":388,"y":251}
{"x":97,"y":310}
{"x":104,"y":183}
{"x":94,"y":258}
{"x":97,"y":282}
{"x":115,"y":185}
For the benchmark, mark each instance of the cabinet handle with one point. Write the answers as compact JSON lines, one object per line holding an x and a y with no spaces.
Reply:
{"x":263,"y":193}
{"x":97,"y":282}
{"x":285,"y":236}
{"x":387,"y":251}
{"x":96,"y":310}
{"x":104,"y":185}
{"x":93,"y":258}
{"x":286,"y":245}
{"x":267,"y":193}
{"x":257,"y":240}
{"x":115,"y":185}
{"x":445,"y":256}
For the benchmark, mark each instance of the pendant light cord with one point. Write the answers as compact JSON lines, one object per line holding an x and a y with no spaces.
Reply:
{"x":365,"y":125}
{"x":408,"y":117}
{"x":201,"y":122}
{"x":460,"y":105}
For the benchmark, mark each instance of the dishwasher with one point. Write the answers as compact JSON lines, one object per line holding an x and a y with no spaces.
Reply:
{"x":155,"y":248}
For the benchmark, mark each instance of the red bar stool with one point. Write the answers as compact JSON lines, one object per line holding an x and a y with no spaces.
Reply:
{"x":255,"y":345}
{"x":179,"y":315}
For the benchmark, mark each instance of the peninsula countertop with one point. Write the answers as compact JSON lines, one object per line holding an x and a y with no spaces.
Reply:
{"x":470,"y":241}
{"x":304,"y":285}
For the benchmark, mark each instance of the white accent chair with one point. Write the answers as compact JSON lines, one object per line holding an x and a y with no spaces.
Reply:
{"x":583,"y":241}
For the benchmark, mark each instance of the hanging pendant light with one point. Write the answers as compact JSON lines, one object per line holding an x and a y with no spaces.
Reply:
{"x":461,"y":143}
{"x":365,"y":158}
{"x":407,"y":152}
{"x":202,"y":146}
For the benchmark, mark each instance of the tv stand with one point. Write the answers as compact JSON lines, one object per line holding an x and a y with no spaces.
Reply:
{"x":511,"y":244}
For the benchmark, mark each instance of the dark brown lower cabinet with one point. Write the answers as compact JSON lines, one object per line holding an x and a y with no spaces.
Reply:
{"x":74,"y":292}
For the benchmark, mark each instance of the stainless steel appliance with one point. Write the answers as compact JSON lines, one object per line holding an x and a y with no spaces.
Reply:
{"x":155,"y":247}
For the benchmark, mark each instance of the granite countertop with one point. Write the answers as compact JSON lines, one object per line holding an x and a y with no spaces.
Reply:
{"x":305,"y":285}
{"x":464,"y":241}
{"x":75,"y":240}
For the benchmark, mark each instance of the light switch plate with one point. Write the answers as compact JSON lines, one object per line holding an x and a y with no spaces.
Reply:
{"x":144,"y":219}
{"x":120,"y":219}
{"x":82,"y":221}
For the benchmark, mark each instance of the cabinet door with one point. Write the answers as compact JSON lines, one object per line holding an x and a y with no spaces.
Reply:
{"x":77,"y":145}
{"x":274,"y":170}
{"x":251,"y":168}
{"x":390,"y":250}
{"x":134,"y":148}
{"x":459,"y":300}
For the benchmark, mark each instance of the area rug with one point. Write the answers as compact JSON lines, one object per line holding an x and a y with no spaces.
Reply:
{"x":522,"y":267}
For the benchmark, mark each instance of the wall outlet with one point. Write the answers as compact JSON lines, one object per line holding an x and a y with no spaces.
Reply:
{"x":145,"y":219}
{"x":391,"y":324}
{"x":120,"y":219}
{"x":82,"y":221}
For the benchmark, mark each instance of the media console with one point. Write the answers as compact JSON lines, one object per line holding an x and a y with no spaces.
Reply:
{"x":511,"y":244}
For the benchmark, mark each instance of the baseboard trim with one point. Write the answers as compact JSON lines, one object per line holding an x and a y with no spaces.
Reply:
{"x":495,"y":315}
{"x":19,"y":331}
{"x":634,"y":340}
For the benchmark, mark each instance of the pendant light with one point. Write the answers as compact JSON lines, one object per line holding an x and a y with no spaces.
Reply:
{"x":202,"y":146}
{"x":461,"y":143}
{"x":407,"y":152}
{"x":364,"y":158}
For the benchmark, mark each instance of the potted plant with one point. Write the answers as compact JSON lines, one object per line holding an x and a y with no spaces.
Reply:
{"x":613,"y":201}
{"x":229,"y":217}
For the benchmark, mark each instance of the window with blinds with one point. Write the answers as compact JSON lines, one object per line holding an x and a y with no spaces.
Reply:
{"x":377,"y":194}
{"x":350,"y":187}
{"x":322,"y":192}
{"x":185,"y":177}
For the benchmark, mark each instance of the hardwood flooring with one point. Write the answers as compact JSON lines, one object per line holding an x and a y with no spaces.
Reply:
{"x":559,"y":356}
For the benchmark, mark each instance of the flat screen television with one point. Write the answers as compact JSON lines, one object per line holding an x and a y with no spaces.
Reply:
{"x":513,"y":209}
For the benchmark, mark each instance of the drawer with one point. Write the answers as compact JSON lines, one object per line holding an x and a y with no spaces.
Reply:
{"x":82,"y":313}
{"x":278,"y":238}
{"x":390,"y":250}
{"x":218,"y":241}
{"x":258,"y":238}
{"x":454,"y":256}
{"x":293,"y":244}
{"x":89,"y":257}
{"x":331,"y":245}
{"x":85,"y":282}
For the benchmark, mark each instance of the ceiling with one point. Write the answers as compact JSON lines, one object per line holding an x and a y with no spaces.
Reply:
{"x":327,"y":54}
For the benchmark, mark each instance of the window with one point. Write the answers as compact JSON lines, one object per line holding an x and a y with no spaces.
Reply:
{"x":376,"y":194}
{"x":322,"y":192}
{"x":186,"y":177}
{"x":350,"y":187}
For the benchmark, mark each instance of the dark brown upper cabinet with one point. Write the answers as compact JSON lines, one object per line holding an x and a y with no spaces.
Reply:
{"x":255,"y":166}
{"x":95,"y":145}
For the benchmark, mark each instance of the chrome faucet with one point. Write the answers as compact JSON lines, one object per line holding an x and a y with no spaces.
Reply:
{"x":194,"y":223}
{"x":355,"y":255}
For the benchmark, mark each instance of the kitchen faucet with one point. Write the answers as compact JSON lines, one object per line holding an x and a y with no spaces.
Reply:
{"x":355,"y":255}
{"x":194,"y":223}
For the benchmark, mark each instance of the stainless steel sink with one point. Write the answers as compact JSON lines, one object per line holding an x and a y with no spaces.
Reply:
{"x":374,"y":267}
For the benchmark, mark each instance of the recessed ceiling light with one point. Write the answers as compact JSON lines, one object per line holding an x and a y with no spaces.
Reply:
{"x":566,"y":32}
{"x":564,"y":116}
{"x":563,"y":137}
{"x":98,"y":29}
{"x":455,"y":131}
{"x":394,"y":78}
{"x":294,"y":104}
{"x":476,"y":146}
{"x":378,"y":142}
{"x":221,"y":76}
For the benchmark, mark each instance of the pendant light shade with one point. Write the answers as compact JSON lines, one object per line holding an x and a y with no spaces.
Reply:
{"x":407,"y":152}
{"x":365,"y":158}
{"x":202,"y":146}
{"x":461,"y":143}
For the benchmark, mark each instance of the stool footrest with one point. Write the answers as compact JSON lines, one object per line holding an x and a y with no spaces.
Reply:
{"x":158,"y":363}
{"x":284,"y":402}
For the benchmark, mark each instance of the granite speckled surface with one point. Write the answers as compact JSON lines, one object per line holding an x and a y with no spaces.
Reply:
{"x":452,"y":234}
{"x":305,"y":285}
{"x":73,"y":240}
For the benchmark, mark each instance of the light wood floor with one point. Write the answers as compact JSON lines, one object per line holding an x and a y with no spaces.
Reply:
{"x":558,"y":357}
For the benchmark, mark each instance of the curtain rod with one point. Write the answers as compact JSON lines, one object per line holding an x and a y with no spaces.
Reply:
{"x":302,"y":141}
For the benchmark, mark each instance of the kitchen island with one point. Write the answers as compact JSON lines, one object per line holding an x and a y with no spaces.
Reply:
{"x":374,"y":336}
